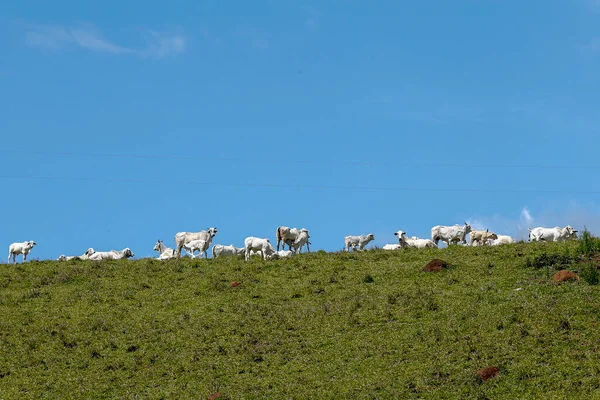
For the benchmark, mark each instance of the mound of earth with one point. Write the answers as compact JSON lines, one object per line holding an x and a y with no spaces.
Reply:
{"x":565,"y":275}
{"x":234,"y":284}
{"x":435,"y":265}
{"x":488,"y":373}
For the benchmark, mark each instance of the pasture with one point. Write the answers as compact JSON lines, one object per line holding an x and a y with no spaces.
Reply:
{"x":354,"y":325}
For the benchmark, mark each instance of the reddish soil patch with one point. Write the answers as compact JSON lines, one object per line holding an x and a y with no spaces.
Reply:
{"x":234,"y":284}
{"x":215,"y":395}
{"x":435,"y":265}
{"x":565,"y":275}
{"x":488,"y":373}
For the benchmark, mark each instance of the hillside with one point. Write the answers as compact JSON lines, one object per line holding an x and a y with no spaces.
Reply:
{"x":320,"y":325}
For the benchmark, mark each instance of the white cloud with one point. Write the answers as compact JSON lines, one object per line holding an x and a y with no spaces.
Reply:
{"x":87,"y":37}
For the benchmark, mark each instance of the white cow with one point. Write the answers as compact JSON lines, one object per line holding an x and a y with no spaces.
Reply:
{"x":112,"y":255}
{"x":502,"y":239}
{"x":219,"y":250}
{"x":450,"y":234}
{"x":181,"y":238}
{"x":165,"y":253}
{"x":555,"y":234}
{"x":258,"y":244}
{"x":481,"y":237}
{"x":301,"y":240}
{"x":414,"y":241}
{"x":20,"y":248}
{"x":289,"y":235}
{"x":392,"y":247}
{"x":357,"y":241}
{"x":84,"y":256}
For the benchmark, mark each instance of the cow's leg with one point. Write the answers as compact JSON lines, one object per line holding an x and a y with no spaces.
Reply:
{"x":9,"y":254}
{"x":24,"y":257}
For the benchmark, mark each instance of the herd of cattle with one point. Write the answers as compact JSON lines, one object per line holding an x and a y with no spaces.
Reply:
{"x":295,"y":238}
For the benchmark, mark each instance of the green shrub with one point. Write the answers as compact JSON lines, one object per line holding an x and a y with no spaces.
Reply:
{"x":589,"y":273}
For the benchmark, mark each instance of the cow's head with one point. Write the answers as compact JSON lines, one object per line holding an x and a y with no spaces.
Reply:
{"x":158,"y":245}
{"x":492,"y":236}
{"x":62,"y":258}
{"x":399,"y":233}
{"x":32,"y":243}
{"x":212,"y":231}
{"x":572,"y":233}
{"x":370,"y":236}
{"x":128,"y":253}
{"x":89,"y":252}
{"x":468,"y":227}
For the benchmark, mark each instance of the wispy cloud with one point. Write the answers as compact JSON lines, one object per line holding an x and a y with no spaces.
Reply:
{"x":87,"y":37}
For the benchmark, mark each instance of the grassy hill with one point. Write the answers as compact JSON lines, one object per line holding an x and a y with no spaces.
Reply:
{"x":320,"y":325}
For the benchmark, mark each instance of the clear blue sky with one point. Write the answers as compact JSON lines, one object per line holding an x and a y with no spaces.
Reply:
{"x":369,"y":97}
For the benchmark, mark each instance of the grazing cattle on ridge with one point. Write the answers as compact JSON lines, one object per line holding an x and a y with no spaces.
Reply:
{"x":84,"y":256}
{"x":357,"y":241}
{"x":482,"y":237}
{"x":555,"y":234}
{"x":165,"y":253}
{"x":258,"y":244}
{"x":414,"y":241}
{"x":219,"y":250}
{"x":450,"y":234}
{"x":289,"y":235}
{"x":112,"y":255}
{"x":20,"y":248}
{"x":181,"y":238}
{"x":502,"y":239}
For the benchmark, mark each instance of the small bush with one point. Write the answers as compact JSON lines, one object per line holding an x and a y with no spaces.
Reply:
{"x":588,"y":243}
{"x":551,"y":261}
{"x":589,"y":273}
{"x":368,"y":279}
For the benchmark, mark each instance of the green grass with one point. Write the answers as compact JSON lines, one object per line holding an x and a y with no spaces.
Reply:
{"x":317,"y":326}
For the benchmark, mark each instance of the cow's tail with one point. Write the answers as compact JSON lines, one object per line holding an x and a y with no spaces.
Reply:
{"x":278,"y":236}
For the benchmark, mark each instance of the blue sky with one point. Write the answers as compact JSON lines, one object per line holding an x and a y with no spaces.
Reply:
{"x":248,"y":115}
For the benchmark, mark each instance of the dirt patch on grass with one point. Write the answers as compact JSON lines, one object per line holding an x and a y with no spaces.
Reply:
{"x":234,"y":284}
{"x":564,"y":276}
{"x":215,"y":395}
{"x":435,"y":265}
{"x":488,"y":373}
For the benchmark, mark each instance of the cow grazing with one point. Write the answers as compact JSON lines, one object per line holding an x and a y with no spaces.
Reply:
{"x":415,"y":242}
{"x":258,"y":244}
{"x":482,"y":237}
{"x":357,"y":241}
{"x":164,"y":252}
{"x":289,"y":235}
{"x":555,"y":234}
{"x":181,"y":238}
{"x":502,"y":239}
{"x":20,"y":248}
{"x":84,"y":256}
{"x":112,"y":255}
{"x":218,"y":250}
{"x":450,"y":234}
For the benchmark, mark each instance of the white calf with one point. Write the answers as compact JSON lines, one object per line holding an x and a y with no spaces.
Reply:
{"x":482,"y":237}
{"x":219,"y":250}
{"x":164,"y":252}
{"x":357,"y":241}
{"x":392,"y":247}
{"x":84,"y":256}
{"x":112,"y":255}
{"x":414,"y":241}
{"x":502,"y":239}
{"x":301,"y":240}
{"x":20,"y":248}
{"x":258,"y":244}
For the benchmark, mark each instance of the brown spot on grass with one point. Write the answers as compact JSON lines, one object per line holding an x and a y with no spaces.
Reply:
{"x":435,"y":265}
{"x":488,"y":373}
{"x":564,"y":276}
{"x":234,"y":284}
